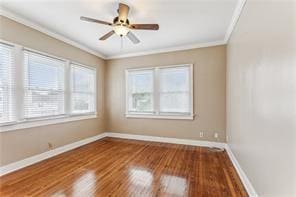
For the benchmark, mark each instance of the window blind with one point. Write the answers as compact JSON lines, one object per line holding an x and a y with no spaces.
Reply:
{"x":38,"y":86}
{"x":160,"y":92}
{"x":7,"y":84}
{"x":83,"y":94}
{"x":44,"y":85}
{"x":140,"y":84}
{"x":174,"y":90}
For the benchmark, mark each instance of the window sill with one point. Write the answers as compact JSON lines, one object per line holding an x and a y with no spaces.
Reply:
{"x":44,"y":122}
{"x":168,"y":117}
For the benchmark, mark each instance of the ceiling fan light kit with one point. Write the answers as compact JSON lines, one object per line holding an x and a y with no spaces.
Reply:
{"x":121,"y":25}
{"x":121,"y":29}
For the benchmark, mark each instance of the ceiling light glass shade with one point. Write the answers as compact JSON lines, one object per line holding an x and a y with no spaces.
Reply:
{"x":121,"y":30}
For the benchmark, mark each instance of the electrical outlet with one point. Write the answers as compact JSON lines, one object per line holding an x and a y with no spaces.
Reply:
{"x":50,"y":146}
{"x":216,"y":135}
{"x":201,"y":134}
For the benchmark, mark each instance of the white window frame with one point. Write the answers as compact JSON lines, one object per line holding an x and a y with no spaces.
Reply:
{"x":154,"y":90}
{"x":156,"y":98}
{"x":71,"y":88}
{"x":25,"y":72}
{"x":9,"y":88}
{"x":21,"y":122}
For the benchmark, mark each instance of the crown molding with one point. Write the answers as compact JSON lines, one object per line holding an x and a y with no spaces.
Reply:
{"x":171,"y":49}
{"x":236,"y":14}
{"x":22,"y":20}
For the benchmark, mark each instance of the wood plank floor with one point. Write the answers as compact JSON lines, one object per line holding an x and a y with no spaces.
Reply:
{"x":117,"y":167}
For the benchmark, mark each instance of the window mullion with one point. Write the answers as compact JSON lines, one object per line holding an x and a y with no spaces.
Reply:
{"x":191,"y":78}
{"x":95,"y":93}
{"x":127,"y":92}
{"x":67,"y":88}
{"x":156,"y":95}
{"x":19,"y":89}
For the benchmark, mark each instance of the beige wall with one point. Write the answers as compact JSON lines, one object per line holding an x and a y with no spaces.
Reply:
{"x":261,"y":95}
{"x":19,"y":144}
{"x":209,"y":95}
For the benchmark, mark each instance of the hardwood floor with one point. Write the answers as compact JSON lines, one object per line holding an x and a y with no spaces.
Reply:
{"x":117,"y":167}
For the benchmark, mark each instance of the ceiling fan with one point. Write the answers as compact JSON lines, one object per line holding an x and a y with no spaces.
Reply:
{"x":121,"y":25}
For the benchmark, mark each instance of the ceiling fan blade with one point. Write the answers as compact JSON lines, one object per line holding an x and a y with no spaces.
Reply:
{"x":94,"y":20}
{"x":123,"y":10}
{"x":133,"y":38}
{"x":144,"y":26}
{"x":107,"y":35}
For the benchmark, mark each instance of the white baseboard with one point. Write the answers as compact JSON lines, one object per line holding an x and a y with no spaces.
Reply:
{"x":37,"y":158}
{"x":246,"y":182}
{"x":167,"y":140}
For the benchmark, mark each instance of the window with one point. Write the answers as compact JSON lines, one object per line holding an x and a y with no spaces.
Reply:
{"x":174,"y":90}
{"x":83,"y":89}
{"x":160,"y":92}
{"x":7,"y":113}
{"x":44,"y":86}
{"x":40,"y":89}
{"x":140,"y":91}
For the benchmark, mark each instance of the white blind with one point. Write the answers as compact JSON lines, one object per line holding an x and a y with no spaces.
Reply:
{"x":44,"y":85}
{"x":174,"y":91}
{"x":7,"y":84}
{"x":83,"y":94}
{"x":140,"y":91}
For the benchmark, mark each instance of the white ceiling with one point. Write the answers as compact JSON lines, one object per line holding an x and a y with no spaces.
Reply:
{"x":182,"y":23}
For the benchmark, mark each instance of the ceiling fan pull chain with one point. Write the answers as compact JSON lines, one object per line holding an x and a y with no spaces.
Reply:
{"x":121,"y":43}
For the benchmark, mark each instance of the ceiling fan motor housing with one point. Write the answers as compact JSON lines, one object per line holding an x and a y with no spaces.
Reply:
{"x":121,"y":25}
{"x":116,"y":21}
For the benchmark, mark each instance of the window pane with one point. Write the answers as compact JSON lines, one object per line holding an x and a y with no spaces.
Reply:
{"x":140,"y":90}
{"x":83,"y":89}
{"x":174,"y":89}
{"x":43,"y":103}
{"x":7,"y":112}
{"x":141,"y":81}
{"x":174,"y":102}
{"x":83,"y":103}
{"x":174,"y":79}
{"x":4,"y":115}
{"x":141,"y":102}
{"x":84,"y":79}
{"x":44,"y":73}
{"x":5,"y":61}
{"x":44,"y":85}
